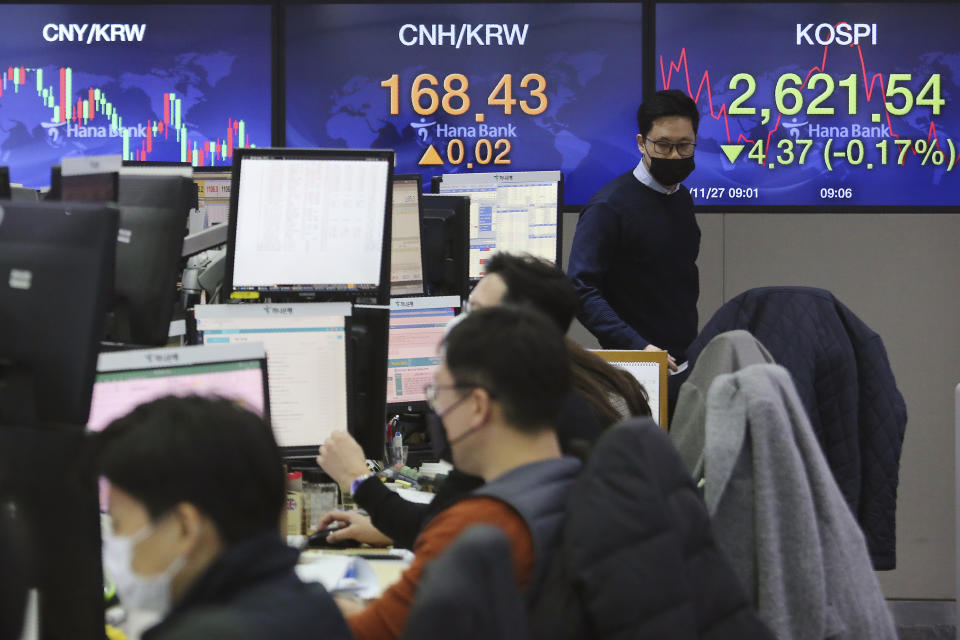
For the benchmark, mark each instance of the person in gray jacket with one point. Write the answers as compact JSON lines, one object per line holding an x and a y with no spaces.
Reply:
{"x":778,"y":513}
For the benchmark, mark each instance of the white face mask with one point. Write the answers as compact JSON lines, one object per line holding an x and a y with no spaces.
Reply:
{"x":144,"y":593}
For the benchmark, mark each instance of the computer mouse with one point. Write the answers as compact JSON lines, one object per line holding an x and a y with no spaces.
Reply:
{"x":318,"y":540}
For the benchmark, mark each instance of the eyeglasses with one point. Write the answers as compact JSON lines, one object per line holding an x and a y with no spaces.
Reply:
{"x":665,"y":147}
{"x":432,"y":391}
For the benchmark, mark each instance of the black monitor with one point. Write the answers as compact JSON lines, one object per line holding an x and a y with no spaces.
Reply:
{"x":48,"y":493}
{"x":153,"y":220}
{"x":446,"y":244}
{"x":89,"y":187}
{"x":515,"y":211}
{"x":4,"y":183}
{"x":417,"y":327}
{"x":56,"y":183}
{"x":310,"y":224}
{"x":367,"y":383}
{"x":57,"y":261}
{"x":406,"y":253}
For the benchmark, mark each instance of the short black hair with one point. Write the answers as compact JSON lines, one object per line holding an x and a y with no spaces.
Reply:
{"x":536,"y":282}
{"x":662,"y":104}
{"x":209,"y":452}
{"x":518,"y":355}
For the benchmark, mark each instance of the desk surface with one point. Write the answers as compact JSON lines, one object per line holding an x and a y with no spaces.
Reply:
{"x":387,"y":563}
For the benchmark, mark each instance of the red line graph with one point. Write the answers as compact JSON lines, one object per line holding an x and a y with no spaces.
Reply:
{"x":869,"y":85}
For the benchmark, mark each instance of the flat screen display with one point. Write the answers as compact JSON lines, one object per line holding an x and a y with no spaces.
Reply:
{"x":470,"y":86}
{"x":185,"y":83}
{"x":832,"y":104}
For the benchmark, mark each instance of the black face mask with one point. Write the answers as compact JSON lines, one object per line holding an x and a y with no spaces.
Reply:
{"x":438,"y":437}
{"x":669,"y":171}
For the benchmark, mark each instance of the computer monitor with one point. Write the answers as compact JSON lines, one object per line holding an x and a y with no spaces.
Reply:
{"x":213,"y":197}
{"x":48,"y":481}
{"x":406,"y":255}
{"x":310,"y":224}
{"x":446,"y":244}
{"x":153,"y":220}
{"x":516,"y":212}
{"x":127,"y":379}
{"x":89,"y":187}
{"x":307,"y":353}
{"x":24,"y":194}
{"x":417,"y":327}
{"x":57,"y":261}
{"x":5,"y":183}
{"x":367,"y":383}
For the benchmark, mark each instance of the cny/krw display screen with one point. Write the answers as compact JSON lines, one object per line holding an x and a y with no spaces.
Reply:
{"x":818,"y":104}
{"x":471,"y":87}
{"x":183,"y":83}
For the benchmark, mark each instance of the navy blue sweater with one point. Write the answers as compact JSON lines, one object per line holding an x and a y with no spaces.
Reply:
{"x":633,"y":263}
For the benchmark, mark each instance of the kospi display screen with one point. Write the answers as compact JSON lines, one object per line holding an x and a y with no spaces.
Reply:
{"x":818,"y":104}
{"x":184,"y":83}
{"x":471,"y":87}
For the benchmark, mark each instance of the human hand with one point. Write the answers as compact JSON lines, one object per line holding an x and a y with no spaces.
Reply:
{"x":342,"y":459}
{"x":671,"y":363}
{"x":353,"y":526}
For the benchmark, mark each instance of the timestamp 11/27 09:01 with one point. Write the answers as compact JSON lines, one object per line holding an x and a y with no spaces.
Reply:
{"x":717,"y":193}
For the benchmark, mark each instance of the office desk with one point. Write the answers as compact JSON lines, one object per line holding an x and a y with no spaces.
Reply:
{"x":387,"y":567}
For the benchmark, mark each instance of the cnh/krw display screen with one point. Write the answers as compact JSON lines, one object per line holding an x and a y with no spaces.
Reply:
{"x":471,"y":87}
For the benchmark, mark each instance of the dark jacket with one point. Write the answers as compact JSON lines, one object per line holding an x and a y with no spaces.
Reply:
{"x":637,"y":558}
{"x":449,"y":603}
{"x":841,"y":371}
{"x":252,"y":593}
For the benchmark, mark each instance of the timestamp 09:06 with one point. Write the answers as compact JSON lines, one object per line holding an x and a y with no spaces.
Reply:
{"x":717,"y":193}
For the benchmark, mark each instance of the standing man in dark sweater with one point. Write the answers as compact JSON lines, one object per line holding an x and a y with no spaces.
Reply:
{"x":634,"y":255}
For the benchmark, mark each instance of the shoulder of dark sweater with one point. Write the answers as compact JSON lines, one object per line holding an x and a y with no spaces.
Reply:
{"x":625,"y":191}
{"x":251,"y":591}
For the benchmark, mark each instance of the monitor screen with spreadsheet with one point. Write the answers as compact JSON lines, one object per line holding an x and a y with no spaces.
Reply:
{"x":513,"y":212}
{"x":406,"y":255}
{"x":417,"y":327}
{"x":127,"y":379}
{"x":310,"y":224}
{"x":306,"y":347}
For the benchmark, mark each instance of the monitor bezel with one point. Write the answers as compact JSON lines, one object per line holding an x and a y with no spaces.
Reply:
{"x":380,"y":295}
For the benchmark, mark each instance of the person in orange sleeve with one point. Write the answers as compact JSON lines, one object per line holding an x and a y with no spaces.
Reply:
{"x":494,"y":398}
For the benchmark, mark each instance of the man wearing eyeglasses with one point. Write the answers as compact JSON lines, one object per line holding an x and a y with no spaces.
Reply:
{"x":634,"y":254}
{"x":496,"y":397}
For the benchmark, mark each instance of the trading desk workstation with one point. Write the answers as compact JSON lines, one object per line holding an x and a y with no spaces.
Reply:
{"x":318,"y":300}
{"x":201,"y":208}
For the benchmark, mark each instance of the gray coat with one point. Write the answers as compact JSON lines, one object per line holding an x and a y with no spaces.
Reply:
{"x":726,"y":353}
{"x":777,"y":512}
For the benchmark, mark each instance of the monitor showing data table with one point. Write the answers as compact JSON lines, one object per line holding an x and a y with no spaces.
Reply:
{"x":513,"y":212}
{"x":306,"y":346}
{"x":310,"y":224}
{"x":406,"y":255}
